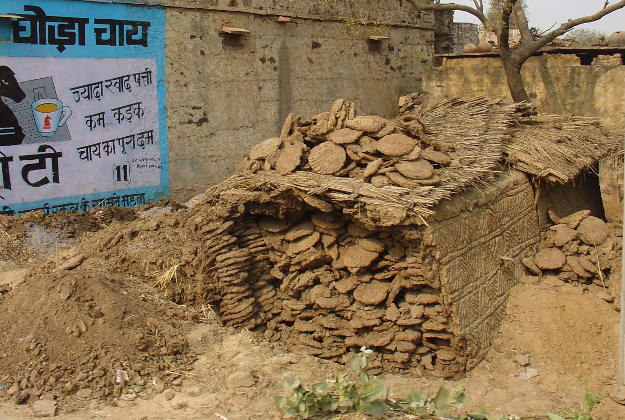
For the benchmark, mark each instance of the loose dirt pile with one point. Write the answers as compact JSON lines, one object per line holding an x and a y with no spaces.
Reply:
{"x":21,"y":237}
{"x":74,"y":331}
{"x":579,"y":248}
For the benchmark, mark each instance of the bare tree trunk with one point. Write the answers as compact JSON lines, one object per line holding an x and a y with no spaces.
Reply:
{"x":512,"y":68}
{"x":514,"y":59}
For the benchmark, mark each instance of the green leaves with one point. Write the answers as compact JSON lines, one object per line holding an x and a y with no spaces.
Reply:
{"x":445,"y":401}
{"x":368,"y":395}
{"x":441,"y":406}
{"x":376,"y":409}
{"x":338,"y":395}
{"x":584,"y":412}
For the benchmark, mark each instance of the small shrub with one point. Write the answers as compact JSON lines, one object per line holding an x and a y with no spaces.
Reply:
{"x":368,"y":395}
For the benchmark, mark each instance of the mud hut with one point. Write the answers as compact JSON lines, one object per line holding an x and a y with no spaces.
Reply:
{"x":400,"y":235}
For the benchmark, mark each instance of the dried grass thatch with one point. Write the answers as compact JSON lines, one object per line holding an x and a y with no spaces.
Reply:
{"x":556,"y":148}
{"x":475,"y":130}
{"x":481,"y":134}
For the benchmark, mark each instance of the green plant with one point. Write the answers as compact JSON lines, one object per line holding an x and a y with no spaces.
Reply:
{"x":418,"y":404}
{"x":583,"y":412}
{"x":338,"y":395}
{"x":368,"y":395}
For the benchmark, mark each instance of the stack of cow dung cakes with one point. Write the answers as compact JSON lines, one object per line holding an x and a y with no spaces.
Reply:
{"x":328,"y":285}
{"x":577,"y":248}
{"x":371,"y":148}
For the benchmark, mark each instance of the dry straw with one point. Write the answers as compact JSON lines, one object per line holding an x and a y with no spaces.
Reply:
{"x":484,"y":134}
{"x":476,"y":130}
{"x":557,"y":148}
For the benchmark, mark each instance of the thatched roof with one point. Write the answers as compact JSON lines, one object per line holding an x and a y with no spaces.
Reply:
{"x":556,"y":148}
{"x":475,"y":130}
{"x":484,"y":135}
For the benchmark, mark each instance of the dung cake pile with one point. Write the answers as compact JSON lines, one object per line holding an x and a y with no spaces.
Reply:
{"x":328,"y":286}
{"x":338,"y":234}
{"x":371,"y":148}
{"x":577,"y":248}
{"x":343,"y":286}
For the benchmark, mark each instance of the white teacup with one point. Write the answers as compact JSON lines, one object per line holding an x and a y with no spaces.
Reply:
{"x":50,"y":114}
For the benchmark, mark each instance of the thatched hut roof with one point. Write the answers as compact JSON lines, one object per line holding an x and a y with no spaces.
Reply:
{"x":485,"y":135}
{"x":556,"y":148}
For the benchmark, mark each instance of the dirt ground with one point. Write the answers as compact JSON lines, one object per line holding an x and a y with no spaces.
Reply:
{"x":80,"y":331}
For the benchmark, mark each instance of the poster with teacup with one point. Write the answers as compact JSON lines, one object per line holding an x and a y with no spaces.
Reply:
{"x":82,"y":106}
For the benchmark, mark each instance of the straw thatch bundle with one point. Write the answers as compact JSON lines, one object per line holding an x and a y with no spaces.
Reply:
{"x":556,"y":148}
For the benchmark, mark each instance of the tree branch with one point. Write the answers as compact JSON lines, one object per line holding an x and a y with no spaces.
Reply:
{"x":451,"y":6}
{"x":529,"y":48}
{"x":521,"y":21}
{"x":503,"y":34}
{"x":479,"y":5}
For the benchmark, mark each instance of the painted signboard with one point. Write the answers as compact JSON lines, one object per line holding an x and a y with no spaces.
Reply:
{"x":82,"y":109}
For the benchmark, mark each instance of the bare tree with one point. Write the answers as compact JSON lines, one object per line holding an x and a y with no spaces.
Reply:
{"x":513,"y":59}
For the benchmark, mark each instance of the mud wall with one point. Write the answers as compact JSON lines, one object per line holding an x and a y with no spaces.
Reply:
{"x":558,"y":82}
{"x":226,"y":93}
{"x":498,"y":225}
{"x":465,"y":33}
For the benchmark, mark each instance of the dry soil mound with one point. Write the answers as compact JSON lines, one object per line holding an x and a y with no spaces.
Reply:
{"x":87,"y":333}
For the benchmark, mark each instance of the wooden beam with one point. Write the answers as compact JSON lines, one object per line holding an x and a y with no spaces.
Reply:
{"x":233,"y":31}
{"x":621,"y":341}
{"x":377,"y":38}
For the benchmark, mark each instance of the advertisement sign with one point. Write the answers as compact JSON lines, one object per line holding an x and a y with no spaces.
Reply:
{"x":82,"y":108}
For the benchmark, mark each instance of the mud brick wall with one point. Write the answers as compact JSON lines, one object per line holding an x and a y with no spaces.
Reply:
{"x":225,"y":94}
{"x":557,"y":81}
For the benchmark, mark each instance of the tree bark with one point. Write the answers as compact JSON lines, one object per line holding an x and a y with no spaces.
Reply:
{"x":512,"y":69}
{"x":521,"y":21}
{"x":512,"y":62}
